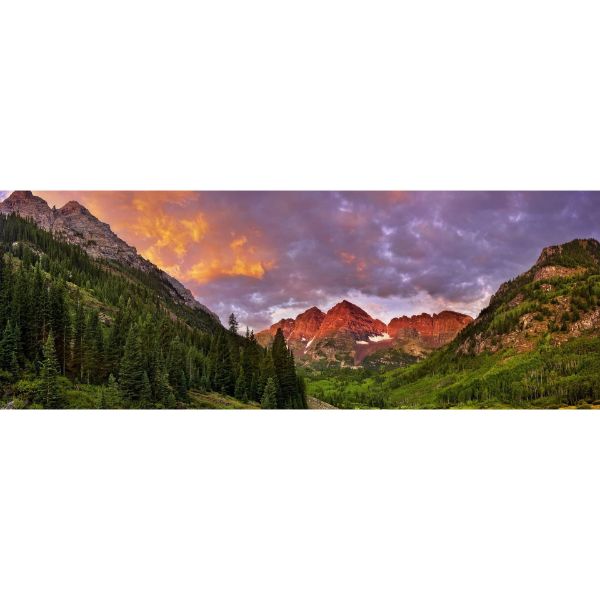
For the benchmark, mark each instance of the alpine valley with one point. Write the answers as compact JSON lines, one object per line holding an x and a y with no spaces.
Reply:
{"x":87,"y":322}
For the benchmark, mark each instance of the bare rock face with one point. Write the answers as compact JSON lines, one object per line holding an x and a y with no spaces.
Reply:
{"x":307,"y":324}
{"x":28,"y":206}
{"x":266,"y":336}
{"x":435,"y":330}
{"x":350,"y":319}
{"x":553,"y":271}
{"x":297,"y":332}
{"x":77,"y":225}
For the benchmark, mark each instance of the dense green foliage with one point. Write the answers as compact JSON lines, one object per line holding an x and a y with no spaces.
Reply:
{"x":76,"y":332}
{"x":548,"y":377}
{"x":575,"y":254}
{"x":347,"y":388}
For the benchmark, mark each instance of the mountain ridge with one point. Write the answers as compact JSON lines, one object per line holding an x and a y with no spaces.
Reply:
{"x":347,"y":334}
{"x":74,"y":223}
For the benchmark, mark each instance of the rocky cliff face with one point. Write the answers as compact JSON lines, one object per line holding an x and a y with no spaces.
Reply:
{"x":347,"y":334}
{"x":346,"y":317}
{"x":297,"y":332}
{"x":28,"y":206}
{"x":76,"y":225}
{"x":435,"y":330}
{"x":307,"y":324}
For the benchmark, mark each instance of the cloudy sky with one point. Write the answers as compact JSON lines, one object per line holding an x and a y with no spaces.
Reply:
{"x":268,"y":255}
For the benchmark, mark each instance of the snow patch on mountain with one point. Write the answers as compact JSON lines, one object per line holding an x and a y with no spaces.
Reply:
{"x":379,"y":338}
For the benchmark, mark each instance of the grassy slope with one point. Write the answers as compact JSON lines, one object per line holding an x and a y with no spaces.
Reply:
{"x":214,"y":400}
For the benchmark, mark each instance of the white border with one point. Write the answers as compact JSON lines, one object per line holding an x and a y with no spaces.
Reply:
{"x":317,"y":95}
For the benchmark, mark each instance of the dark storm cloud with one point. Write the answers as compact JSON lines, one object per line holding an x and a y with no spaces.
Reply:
{"x":266,"y":255}
{"x":416,"y":251}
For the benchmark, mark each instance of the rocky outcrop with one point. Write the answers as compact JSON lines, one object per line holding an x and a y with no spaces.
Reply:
{"x":77,"y":225}
{"x":575,"y":251}
{"x":552,"y":271}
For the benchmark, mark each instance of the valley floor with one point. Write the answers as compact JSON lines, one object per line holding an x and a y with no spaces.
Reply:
{"x":566,"y":376}
{"x":213,"y":400}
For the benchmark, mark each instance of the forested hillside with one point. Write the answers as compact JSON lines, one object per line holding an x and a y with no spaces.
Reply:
{"x":537,"y":345}
{"x":80,"y":332}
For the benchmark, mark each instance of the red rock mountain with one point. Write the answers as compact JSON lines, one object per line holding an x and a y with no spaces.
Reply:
{"x":307,"y":324}
{"x":347,"y":317}
{"x":77,"y":225}
{"x":347,"y":334}
{"x":296,"y":331}
{"x":437,"y":329}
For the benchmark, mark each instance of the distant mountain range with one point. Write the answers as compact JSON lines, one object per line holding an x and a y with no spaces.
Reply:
{"x":347,"y":335}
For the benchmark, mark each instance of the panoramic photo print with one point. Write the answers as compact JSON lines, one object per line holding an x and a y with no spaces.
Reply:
{"x":299,"y":300}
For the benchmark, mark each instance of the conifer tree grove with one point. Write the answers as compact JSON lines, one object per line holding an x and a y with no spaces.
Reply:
{"x":77,"y":332}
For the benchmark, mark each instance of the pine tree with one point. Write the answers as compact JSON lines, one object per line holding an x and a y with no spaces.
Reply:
{"x":59,"y":321}
{"x":176,"y":366}
{"x":269,"y":397}
{"x":266,"y":372}
{"x":233,"y":323}
{"x":145,"y":400}
{"x":223,"y":368}
{"x":163,"y":392}
{"x":182,"y":387}
{"x":8,"y":346}
{"x":112,"y":395}
{"x":93,"y":350}
{"x":50,"y":393}
{"x":131,"y":373}
{"x":241,"y":390}
{"x":78,"y":332}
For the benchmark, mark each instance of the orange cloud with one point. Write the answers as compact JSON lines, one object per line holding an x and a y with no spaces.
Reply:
{"x":164,"y":230}
{"x":171,"y":230}
{"x":347,"y":257}
{"x":350,"y":259}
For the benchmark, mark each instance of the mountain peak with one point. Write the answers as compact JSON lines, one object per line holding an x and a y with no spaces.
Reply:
{"x":576,"y":253}
{"x":20,"y":195}
{"x":22,"y":198}
{"x":347,"y":333}
{"x":72,"y":206}
{"x":28,"y":206}
{"x":345,"y":306}
{"x":77,"y":225}
{"x":312,"y":310}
